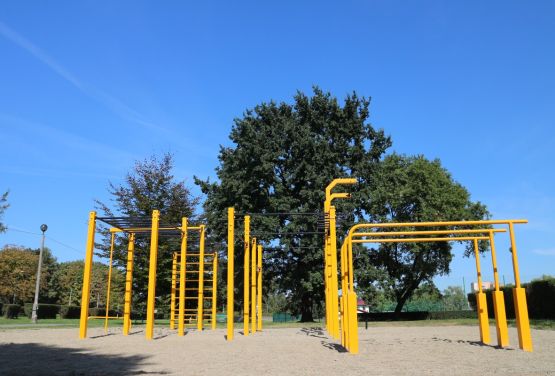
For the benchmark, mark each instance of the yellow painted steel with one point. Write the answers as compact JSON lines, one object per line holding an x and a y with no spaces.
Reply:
{"x":200,"y":313}
{"x":432,"y":232}
{"x":214,"y":288}
{"x":481,"y":305}
{"x":230,"y":271}
{"x":253,"y":285}
{"x":498,"y":301}
{"x":333,"y":296}
{"x":109,"y":287}
{"x":259,"y":293}
{"x":172,"y":292}
{"x":182,"y":269}
{"x":85,"y":293}
{"x":343,"y":303}
{"x":349,"y":328}
{"x":149,"y":331}
{"x":519,"y":297}
{"x":140,"y":229}
{"x":128,"y":285}
{"x":246,"y":277}
{"x":330,"y":257}
{"x":418,"y":240}
{"x":353,"y":322}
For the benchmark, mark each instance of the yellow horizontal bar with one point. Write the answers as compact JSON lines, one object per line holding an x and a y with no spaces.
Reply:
{"x":104,"y":317}
{"x":140,"y":229}
{"x":418,"y":240}
{"x":431,"y":224}
{"x":434,"y":232}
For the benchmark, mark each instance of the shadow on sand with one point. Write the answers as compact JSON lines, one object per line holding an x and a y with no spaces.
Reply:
{"x":473,"y":343}
{"x":36,"y":359}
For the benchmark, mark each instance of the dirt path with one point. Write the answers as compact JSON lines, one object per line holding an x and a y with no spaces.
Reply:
{"x":292,"y":351}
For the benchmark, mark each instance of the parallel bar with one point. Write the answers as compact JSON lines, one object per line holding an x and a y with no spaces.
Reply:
{"x":481,"y":305}
{"x":434,"y":232}
{"x":418,"y":240}
{"x":498,"y":302}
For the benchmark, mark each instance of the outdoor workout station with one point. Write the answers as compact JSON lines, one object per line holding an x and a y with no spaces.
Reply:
{"x":341,"y":318}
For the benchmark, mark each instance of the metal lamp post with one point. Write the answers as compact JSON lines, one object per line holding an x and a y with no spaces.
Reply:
{"x":43,"y":228}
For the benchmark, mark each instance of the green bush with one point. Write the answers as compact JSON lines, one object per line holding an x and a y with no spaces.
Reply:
{"x":446,"y":315}
{"x":44,"y":311}
{"x":11,"y":311}
{"x":101,"y":311}
{"x":1,"y":305}
{"x":70,"y":312}
{"x":540,"y":298}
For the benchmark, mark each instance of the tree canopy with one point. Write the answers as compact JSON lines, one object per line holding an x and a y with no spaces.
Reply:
{"x":149,"y":186}
{"x":283,"y":156}
{"x":414,"y":189}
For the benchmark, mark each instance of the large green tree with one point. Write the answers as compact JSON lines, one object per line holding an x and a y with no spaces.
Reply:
{"x":281,"y":159}
{"x":414,"y":189}
{"x":3,"y":206}
{"x":149,"y":186}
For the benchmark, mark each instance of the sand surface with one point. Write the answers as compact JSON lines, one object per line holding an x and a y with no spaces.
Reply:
{"x":451,"y":350}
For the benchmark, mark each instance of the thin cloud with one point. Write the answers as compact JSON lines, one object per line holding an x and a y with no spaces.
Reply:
{"x":112,"y":103}
{"x":545,"y":251}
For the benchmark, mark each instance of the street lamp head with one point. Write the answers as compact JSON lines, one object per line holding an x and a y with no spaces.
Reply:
{"x":43,"y":228}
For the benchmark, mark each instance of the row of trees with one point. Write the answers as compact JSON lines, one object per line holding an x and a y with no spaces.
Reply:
{"x":281,"y":157}
{"x":60,"y":283}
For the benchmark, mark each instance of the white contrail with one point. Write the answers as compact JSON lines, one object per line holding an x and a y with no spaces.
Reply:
{"x":112,"y":103}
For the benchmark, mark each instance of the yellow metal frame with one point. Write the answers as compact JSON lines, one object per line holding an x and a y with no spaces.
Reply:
{"x":330,"y":255}
{"x":349,"y":335}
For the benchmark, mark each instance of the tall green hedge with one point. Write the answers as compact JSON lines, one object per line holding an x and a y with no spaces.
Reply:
{"x":11,"y":311}
{"x":540,"y":298}
{"x":70,"y":312}
{"x":44,"y":311}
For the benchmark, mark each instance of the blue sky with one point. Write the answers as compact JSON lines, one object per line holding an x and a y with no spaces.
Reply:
{"x":88,"y":87}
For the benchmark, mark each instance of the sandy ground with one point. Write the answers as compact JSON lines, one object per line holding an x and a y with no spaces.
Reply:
{"x":293,"y":351}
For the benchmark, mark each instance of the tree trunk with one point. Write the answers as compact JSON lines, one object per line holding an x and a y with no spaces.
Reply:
{"x":306,"y":309}
{"x":400,"y":304}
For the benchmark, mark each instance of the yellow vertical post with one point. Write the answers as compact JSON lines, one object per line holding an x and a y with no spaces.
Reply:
{"x":498,"y":301}
{"x":344,"y":305}
{"x":230,"y":271}
{"x":253,"y":285}
{"x":259,"y":293}
{"x":128,"y":285}
{"x":200,"y":312}
{"x":151,"y":298}
{"x":109,"y":287}
{"x":85,"y":293}
{"x":519,"y":297}
{"x":481,"y":305}
{"x":182,"y":269}
{"x":352,"y":302}
{"x":214,"y":288}
{"x":246,"y":277}
{"x":172,"y":296}
{"x":333,"y":296}
{"x":326,"y":262}
{"x":353,"y":322}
